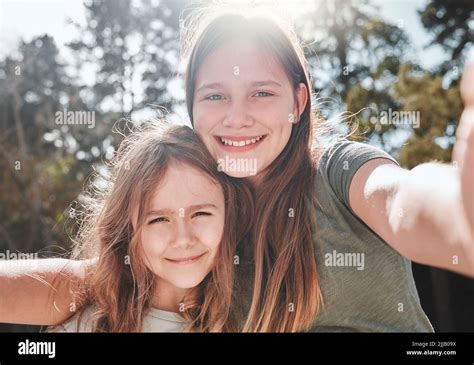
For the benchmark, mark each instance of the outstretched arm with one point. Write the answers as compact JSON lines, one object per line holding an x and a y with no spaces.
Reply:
{"x":39,"y":291}
{"x":427,"y":213}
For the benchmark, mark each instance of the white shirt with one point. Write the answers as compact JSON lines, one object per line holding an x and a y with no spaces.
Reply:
{"x":156,"y":320}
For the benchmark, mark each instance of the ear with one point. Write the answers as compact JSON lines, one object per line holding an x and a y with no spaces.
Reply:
{"x":301,"y":97}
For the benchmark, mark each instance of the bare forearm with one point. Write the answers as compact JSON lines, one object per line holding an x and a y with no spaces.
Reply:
{"x":428,"y":215}
{"x":38,"y":291}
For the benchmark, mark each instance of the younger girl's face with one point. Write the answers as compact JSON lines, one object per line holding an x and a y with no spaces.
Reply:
{"x":244,"y":107}
{"x":184,"y":227}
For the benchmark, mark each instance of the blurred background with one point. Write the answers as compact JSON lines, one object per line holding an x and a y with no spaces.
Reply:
{"x":121,"y":58}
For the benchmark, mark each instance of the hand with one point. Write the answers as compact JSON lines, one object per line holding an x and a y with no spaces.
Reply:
{"x":463,"y":152}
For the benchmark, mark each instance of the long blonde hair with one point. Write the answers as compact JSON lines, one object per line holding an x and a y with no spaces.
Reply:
{"x":120,"y":285}
{"x":286,"y":292}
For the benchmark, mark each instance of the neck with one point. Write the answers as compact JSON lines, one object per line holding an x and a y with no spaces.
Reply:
{"x":256,"y":180}
{"x":167,"y":297}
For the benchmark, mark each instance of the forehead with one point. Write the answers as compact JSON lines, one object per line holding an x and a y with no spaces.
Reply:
{"x":240,"y":61}
{"x":184,"y":185}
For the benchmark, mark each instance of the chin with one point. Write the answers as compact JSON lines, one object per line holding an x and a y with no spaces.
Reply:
{"x":238,"y":166}
{"x":239,"y":174}
{"x":187,"y":282}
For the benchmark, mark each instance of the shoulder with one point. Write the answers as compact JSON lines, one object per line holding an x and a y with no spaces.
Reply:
{"x":347,"y":154}
{"x":82,"y":321}
{"x":338,"y":162}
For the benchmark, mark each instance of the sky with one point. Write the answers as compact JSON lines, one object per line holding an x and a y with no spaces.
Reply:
{"x":28,"y":18}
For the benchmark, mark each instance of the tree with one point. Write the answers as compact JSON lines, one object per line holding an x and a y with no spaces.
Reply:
{"x":438,"y":110}
{"x":130,"y":43}
{"x":349,"y":45}
{"x":452,"y":23}
{"x":35,"y":171}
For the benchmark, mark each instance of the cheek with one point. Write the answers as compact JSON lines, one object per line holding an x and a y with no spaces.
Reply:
{"x":279,"y":116}
{"x":203,"y":117}
{"x":203,"y":124}
{"x":210,"y":234}
{"x":286,"y":131}
{"x":153,"y":244}
{"x":281,"y":121}
{"x":203,"y":127}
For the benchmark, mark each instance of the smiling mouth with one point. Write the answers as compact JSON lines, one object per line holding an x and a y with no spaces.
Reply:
{"x":240,"y":142}
{"x":186,"y":260}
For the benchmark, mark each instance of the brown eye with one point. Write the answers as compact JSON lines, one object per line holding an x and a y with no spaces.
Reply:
{"x":159,"y":220}
{"x":197,"y":214}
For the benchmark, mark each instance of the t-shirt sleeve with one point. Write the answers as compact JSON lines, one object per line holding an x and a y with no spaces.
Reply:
{"x":341,"y":161}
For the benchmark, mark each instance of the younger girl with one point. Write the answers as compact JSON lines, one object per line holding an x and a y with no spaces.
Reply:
{"x":165,"y":233}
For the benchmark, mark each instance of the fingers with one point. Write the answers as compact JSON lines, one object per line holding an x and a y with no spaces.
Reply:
{"x":466,"y":126}
{"x":467,"y":82}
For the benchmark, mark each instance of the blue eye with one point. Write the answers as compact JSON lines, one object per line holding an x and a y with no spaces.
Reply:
{"x":159,"y":220}
{"x":214,"y":97}
{"x":263,"y":92}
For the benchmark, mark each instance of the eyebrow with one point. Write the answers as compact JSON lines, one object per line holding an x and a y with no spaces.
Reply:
{"x":217,"y":85}
{"x":171,"y":211}
{"x":265,"y":83}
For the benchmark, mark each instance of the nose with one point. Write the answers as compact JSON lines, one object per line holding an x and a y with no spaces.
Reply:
{"x":237,"y":116}
{"x":184,"y":236}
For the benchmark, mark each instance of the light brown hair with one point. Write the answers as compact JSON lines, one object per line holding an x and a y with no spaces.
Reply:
{"x":119,"y":284}
{"x":286,"y":292}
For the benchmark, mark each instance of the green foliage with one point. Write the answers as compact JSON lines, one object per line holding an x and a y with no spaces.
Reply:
{"x":452,"y":23}
{"x":432,"y":95}
{"x":439,"y":110}
{"x":349,"y":44}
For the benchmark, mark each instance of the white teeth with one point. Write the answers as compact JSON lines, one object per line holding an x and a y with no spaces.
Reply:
{"x":229,"y":142}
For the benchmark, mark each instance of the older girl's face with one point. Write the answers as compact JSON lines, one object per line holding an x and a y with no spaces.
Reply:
{"x":244,"y":107}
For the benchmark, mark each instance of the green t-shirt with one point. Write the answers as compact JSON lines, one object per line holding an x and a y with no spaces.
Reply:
{"x":366,"y":285}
